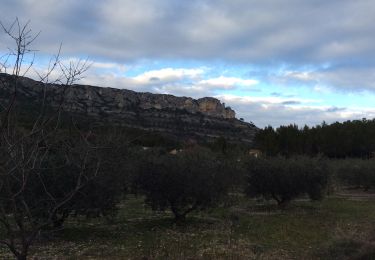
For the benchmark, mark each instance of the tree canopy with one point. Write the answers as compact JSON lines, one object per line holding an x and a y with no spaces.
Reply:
{"x":338,"y":140}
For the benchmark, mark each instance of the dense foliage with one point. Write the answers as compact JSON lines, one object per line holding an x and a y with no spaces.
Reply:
{"x":284,"y":179}
{"x":356,"y":173}
{"x":191,"y":180}
{"x":339,"y":140}
{"x":100,"y":195}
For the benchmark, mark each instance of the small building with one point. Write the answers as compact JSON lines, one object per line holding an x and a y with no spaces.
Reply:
{"x":175,"y":151}
{"x":255,"y":153}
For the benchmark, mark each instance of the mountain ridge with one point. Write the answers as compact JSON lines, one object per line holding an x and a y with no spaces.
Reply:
{"x":204,"y":117}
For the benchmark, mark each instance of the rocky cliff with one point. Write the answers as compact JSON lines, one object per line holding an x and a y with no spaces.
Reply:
{"x":206,"y":117}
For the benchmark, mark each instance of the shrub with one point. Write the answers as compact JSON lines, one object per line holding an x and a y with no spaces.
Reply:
{"x":190,"y":180}
{"x":356,"y":172}
{"x":93,"y":180}
{"x":285,"y":179}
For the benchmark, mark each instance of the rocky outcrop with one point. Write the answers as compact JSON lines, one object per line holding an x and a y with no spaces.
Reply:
{"x":166,"y":113}
{"x":127,"y":99}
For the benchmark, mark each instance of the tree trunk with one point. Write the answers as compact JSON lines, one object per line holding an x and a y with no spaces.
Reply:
{"x":179,"y":218}
{"x":59,"y":221}
{"x":283,"y":203}
{"x":278,"y":200}
{"x":22,"y":256}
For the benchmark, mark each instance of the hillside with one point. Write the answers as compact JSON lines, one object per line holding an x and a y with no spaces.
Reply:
{"x":180,"y":116}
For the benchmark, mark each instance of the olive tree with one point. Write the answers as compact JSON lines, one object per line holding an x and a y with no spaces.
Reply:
{"x":357,"y":173}
{"x":284,"y":179}
{"x":188,"y":181}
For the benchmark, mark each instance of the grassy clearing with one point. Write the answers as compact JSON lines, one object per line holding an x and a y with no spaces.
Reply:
{"x":336,"y":228}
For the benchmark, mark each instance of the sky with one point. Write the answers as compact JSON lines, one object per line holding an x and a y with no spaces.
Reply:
{"x":275,"y":62}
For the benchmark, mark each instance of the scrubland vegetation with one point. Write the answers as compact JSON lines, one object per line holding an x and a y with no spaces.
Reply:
{"x":199,"y":203}
{"x":73,"y":190}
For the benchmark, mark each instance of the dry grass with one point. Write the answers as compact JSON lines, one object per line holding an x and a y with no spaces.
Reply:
{"x":337,"y":228}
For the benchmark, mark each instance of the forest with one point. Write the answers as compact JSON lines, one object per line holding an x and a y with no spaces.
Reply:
{"x":350,"y":139}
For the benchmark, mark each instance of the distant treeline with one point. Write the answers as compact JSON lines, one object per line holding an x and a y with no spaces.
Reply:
{"x":338,"y":140}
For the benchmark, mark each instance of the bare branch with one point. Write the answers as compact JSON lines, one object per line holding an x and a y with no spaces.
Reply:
{"x":30,"y":156}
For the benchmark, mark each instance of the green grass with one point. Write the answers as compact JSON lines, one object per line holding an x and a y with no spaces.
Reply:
{"x":243,"y":229}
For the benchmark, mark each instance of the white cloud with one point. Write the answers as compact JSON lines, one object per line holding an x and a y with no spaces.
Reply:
{"x":262,"y":110}
{"x":271,"y":100}
{"x":227,"y":82}
{"x":193,"y":82}
{"x":167,"y":75}
{"x":300,"y":75}
{"x":327,"y":78}
{"x":113,"y":66}
{"x":272,"y":111}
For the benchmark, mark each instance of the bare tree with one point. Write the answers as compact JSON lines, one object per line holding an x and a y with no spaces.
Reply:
{"x":40,"y":170}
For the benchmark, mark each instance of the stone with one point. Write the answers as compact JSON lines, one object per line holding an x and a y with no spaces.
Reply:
{"x":183,"y":116}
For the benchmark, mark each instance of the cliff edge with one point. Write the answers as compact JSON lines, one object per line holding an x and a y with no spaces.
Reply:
{"x":184,"y":116}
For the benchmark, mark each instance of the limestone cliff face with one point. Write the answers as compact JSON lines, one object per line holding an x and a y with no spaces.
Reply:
{"x":212,"y":107}
{"x":207,"y":106}
{"x":205,"y":116}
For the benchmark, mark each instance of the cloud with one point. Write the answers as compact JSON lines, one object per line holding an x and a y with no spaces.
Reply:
{"x":227,"y":82}
{"x":168,"y":75}
{"x":109,"y":66}
{"x":327,"y":46}
{"x":345,"y":78}
{"x":267,"y":99}
{"x":291,"y":102}
{"x":194,"y":82}
{"x":299,"y":75}
{"x":292,"y":31}
{"x":276,"y":109}
{"x":296,"y":33}
{"x":266,"y":111}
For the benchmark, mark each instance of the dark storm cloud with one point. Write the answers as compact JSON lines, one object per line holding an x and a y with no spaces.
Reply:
{"x":339,"y":33}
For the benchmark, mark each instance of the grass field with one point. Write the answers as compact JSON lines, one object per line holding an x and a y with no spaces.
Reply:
{"x":337,"y":228}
